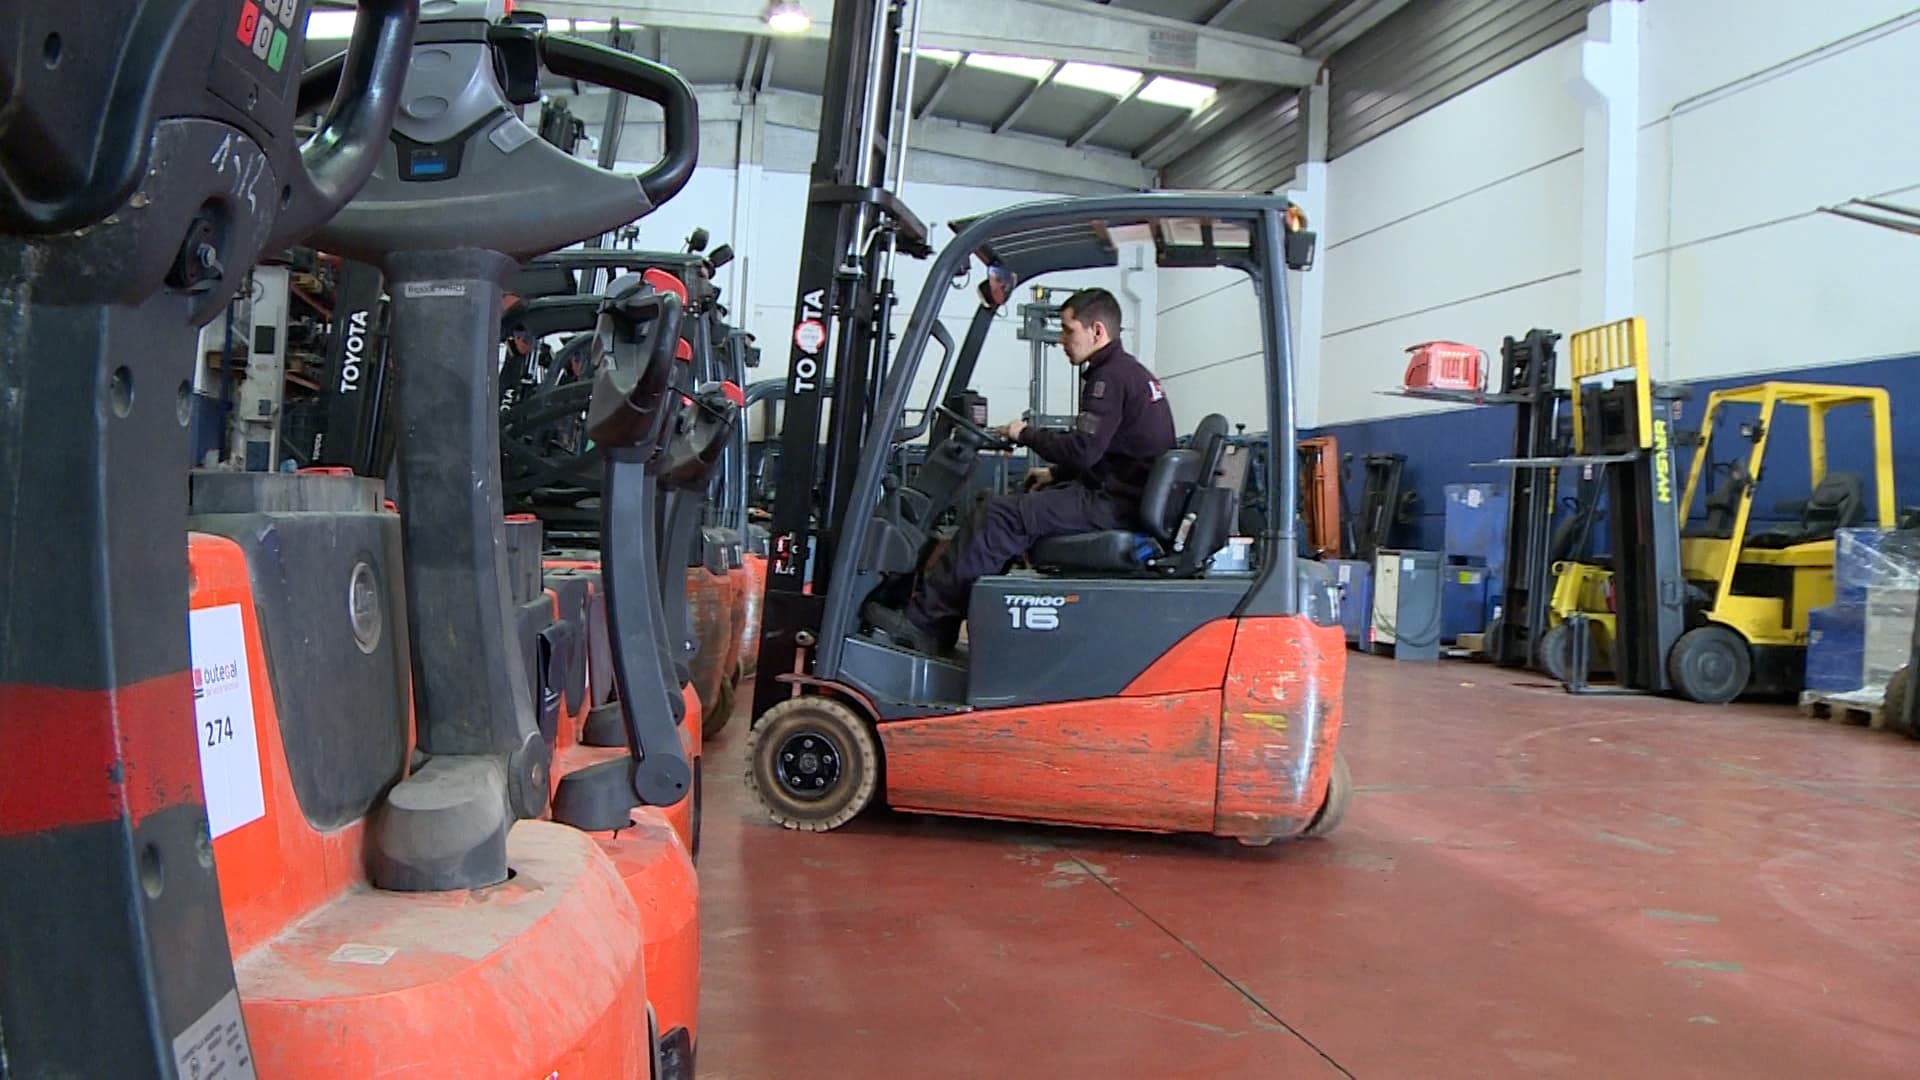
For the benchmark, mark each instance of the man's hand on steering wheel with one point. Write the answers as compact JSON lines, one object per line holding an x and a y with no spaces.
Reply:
{"x":1011,"y":431}
{"x":994,"y":438}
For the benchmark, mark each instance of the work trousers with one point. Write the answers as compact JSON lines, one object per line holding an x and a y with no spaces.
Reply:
{"x":996,"y":532}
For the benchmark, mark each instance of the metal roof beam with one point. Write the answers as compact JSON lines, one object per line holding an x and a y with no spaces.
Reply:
{"x":1339,"y":27}
{"x":1229,"y":105}
{"x":940,"y":88}
{"x":1063,"y":30}
{"x":1026,"y":100}
{"x":1224,"y":12}
{"x":1106,"y":114}
{"x":748,"y":74}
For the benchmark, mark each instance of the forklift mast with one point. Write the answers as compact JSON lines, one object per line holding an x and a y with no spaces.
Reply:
{"x":855,"y":225}
{"x":1621,"y":422}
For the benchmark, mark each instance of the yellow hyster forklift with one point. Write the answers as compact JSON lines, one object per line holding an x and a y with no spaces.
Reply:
{"x":1751,"y":587}
{"x":1720,"y":609}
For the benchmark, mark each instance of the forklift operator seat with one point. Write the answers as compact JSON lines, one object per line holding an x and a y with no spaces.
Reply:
{"x":1838,"y":502}
{"x":1185,"y":516}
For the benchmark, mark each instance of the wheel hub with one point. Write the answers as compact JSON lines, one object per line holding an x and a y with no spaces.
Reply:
{"x":808,"y":765}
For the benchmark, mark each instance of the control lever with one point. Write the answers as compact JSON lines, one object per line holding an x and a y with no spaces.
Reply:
{"x":639,"y":329}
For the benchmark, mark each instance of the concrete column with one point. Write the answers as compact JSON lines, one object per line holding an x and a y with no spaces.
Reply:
{"x":749,"y":158}
{"x":1610,"y":86}
{"x":1309,"y":192}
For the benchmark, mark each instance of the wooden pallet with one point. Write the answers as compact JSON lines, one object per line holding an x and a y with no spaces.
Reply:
{"x":1851,"y":707}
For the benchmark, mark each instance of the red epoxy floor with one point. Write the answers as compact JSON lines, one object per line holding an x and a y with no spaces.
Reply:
{"x":1527,"y":885}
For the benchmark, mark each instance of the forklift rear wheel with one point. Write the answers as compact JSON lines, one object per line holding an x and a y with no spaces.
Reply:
{"x":1556,"y":652}
{"x":1710,"y":664}
{"x":1494,"y":642}
{"x":1896,"y":702}
{"x":693,"y":824}
{"x":813,"y":762}
{"x":715,"y":721}
{"x":1339,"y":792}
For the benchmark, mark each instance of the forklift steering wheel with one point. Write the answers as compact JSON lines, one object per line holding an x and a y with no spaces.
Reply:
{"x":989,"y":441}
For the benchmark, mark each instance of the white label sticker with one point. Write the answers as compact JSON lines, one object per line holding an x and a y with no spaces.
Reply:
{"x":511,"y":135}
{"x":214,"y":1047}
{"x":417,"y":290}
{"x":371,"y":955}
{"x":223,"y":719}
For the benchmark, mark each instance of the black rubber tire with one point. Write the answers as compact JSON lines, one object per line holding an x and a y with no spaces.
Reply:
{"x":693,"y":819}
{"x":1898,"y":686}
{"x":1493,"y":641}
{"x":714,"y":721}
{"x":1334,"y":809}
{"x":1710,"y":664}
{"x":1556,"y":652}
{"x":856,"y":760}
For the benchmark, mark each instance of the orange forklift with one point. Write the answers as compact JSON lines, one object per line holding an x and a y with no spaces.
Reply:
{"x":1123,"y":680}
{"x":304,"y":838}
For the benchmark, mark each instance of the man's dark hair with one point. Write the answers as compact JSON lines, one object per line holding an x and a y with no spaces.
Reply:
{"x":1095,"y":306}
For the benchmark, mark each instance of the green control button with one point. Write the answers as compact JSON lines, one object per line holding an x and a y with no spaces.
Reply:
{"x":277,"y":52}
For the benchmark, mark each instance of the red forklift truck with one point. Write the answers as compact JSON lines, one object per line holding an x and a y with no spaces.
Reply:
{"x":273,"y":844}
{"x":1119,"y":681}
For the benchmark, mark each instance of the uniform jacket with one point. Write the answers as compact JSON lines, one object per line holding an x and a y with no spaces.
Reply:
{"x":1125,"y":424}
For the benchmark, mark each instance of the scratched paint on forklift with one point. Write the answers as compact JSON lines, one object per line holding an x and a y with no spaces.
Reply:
{"x":542,"y":972}
{"x":1283,"y":691}
{"x":1143,"y":763}
{"x":296,"y":904}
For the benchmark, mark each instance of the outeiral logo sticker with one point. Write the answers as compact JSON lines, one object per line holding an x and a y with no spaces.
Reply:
{"x":223,"y":719}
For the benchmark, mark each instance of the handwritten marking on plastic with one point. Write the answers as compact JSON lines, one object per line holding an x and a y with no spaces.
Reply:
{"x":245,"y":163}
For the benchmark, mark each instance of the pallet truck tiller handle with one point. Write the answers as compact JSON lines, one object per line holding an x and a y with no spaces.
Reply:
{"x":626,"y":73}
{"x":364,"y":91}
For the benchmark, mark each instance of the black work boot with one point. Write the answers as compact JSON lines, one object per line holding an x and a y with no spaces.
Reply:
{"x":901,"y":630}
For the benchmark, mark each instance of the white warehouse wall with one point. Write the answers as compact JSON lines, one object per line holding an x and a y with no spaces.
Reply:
{"x":1754,"y":114}
{"x":1465,"y":223}
{"x":1209,"y":353}
{"x":1462,"y":224}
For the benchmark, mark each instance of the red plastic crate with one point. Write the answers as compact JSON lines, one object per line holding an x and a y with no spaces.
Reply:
{"x":1446,"y":365}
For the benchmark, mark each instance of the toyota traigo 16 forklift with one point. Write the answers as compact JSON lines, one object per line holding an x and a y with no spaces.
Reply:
{"x":1123,"y":685}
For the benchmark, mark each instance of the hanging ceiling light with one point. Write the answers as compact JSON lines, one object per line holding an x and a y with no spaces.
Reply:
{"x":787,"y":17}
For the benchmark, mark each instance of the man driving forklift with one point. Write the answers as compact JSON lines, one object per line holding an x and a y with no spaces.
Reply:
{"x":1097,"y":473}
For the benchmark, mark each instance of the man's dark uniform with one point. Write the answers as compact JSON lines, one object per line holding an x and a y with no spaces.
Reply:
{"x":1099,"y":468}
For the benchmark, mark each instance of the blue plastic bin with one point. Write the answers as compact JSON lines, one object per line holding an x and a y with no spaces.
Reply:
{"x":1463,"y":601}
{"x":1476,"y":525}
{"x":1836,"y":648}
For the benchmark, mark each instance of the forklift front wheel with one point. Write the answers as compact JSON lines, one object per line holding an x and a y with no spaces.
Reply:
{"x":713,"y":723}
{"x":1898,"y":686}
{"x":813,"y":762}
{"x":1339,"y":792}
{"x":1710,"y":664}
{"x":1556,"y":652}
